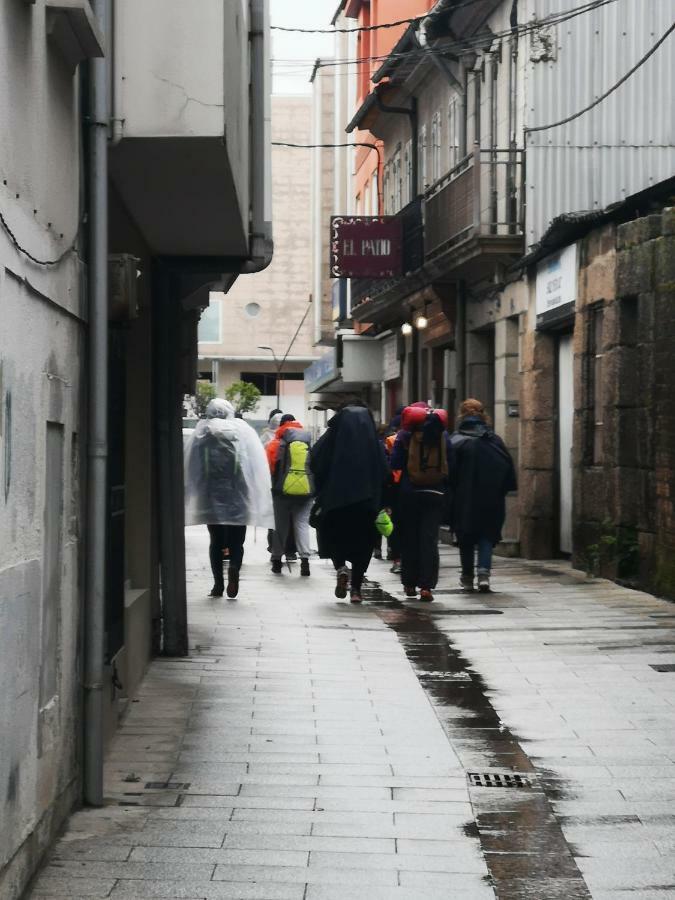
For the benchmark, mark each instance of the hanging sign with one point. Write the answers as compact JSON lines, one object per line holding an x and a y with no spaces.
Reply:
{"x":366,"y":247}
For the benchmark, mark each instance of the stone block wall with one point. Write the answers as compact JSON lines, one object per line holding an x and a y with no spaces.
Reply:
{"x":537,"y":470}
{"x":624,"y":513}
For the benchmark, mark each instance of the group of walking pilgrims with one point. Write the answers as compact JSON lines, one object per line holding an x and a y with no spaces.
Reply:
{"x":356,"y":484}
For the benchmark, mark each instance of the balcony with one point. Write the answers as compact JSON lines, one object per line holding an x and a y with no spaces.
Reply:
{"x":477,"y":201}
{"x":466,"y":222}
{"x":179,"y":154}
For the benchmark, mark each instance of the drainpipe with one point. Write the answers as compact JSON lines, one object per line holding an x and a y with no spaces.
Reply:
{"x":411,"y":113}
{"x":513,"y":215}
{"x":97,"y":443}
{"x":261,"y":245}
{"x":460,"y":342}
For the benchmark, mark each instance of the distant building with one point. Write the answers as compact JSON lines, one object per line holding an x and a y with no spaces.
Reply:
{"x":268,"y":309}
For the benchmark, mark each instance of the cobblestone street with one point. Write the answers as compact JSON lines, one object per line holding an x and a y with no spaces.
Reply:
{"x":311,"y":749}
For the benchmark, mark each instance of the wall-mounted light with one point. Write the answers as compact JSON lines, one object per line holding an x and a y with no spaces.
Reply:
{"x":406,"y":328}
{"x":421,"y":322}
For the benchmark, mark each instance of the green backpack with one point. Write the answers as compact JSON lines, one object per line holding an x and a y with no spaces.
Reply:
{"x":296,"y":483}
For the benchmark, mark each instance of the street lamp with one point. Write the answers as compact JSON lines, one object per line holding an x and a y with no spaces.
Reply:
{"x":279,"y":367}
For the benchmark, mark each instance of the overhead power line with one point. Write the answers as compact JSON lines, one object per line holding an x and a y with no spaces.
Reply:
{"x":349,"y":30}
{"x":366,"y":144}
{"x":361,"y":28}
{"x":414,"y":20}
{"x":467,"y":45}
{"x":611,"y":90}
{"x":28,"y":254}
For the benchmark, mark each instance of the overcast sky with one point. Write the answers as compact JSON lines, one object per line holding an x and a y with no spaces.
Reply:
{"x":293,"y":55}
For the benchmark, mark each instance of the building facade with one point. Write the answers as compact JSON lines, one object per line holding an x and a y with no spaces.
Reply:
{"x":132,"y":182}
{"x":476,"y":170}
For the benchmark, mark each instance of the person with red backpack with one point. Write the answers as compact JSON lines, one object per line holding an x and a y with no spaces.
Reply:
{"x":424,"y":454}
{"x":292,"y":490}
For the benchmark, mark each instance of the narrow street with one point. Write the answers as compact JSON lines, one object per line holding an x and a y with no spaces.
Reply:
{"x":311,"y":749}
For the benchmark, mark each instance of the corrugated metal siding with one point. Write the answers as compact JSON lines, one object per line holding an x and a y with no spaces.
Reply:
{"x":623,"y":145}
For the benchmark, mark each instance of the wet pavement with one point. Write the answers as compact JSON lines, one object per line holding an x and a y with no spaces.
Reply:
{"x":516,"y":745}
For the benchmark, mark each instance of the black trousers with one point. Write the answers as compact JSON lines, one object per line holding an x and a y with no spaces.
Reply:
{"x":420,"y":517}
{"x":346,"y":534}
{"x":222,"y":536}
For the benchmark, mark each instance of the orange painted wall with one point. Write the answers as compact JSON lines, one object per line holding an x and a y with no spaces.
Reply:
{"x":377,"y":44}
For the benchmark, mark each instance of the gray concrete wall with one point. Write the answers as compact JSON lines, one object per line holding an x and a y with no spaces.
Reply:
{"x":41,"y":443}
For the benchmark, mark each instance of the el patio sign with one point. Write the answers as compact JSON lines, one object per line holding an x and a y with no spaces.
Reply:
{"x":365,"y":247}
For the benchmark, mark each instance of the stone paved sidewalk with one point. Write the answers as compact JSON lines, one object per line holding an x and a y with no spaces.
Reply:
{"x":301,"y":759}
{"x":310,"y":749}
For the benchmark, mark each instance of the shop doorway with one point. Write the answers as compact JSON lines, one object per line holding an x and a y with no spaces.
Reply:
{"x":565,"y":410}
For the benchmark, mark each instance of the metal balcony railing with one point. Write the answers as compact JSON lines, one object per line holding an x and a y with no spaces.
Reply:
{"x":481,"y":196}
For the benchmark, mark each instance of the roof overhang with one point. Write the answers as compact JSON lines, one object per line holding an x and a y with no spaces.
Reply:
{"x":570,"y":227}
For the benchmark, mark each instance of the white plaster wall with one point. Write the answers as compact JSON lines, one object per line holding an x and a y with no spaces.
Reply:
{"x":40,"y":367}
{"x":182,"y":70}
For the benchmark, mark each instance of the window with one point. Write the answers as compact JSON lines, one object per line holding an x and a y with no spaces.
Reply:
{"x":209,"y":324}
{"x":387,"y":179}
{"x":422,"y":159}
{"x":266,"y":382}
{"x":374,"y":198}
{"x":397,"y":183}
{"x":595,"y":396}
{"x":408,"y":190}
{"x":436,"y":147}
{"x":453,"y":133}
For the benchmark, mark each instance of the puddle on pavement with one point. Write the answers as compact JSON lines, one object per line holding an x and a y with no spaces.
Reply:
{"x":525,"y":849}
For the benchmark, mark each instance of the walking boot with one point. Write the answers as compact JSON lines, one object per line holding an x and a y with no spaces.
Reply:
{"x":484,"y":581}
{"x":304,"y":567}
{"x":276,"y":567}
{"x":426,"y":596}
{"x":342,"y":583}
{"x":232,"y":582}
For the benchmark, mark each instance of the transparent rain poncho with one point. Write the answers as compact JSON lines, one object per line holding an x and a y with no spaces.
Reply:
{"x":227,"y":477}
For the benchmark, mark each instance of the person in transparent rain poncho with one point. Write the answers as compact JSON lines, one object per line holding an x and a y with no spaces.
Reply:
{"x":227,"y":488}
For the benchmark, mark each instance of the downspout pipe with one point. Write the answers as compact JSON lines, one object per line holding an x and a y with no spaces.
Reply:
{"x":411,"y":113}
{"x":97,"y":442}
{"x":261,"y":244}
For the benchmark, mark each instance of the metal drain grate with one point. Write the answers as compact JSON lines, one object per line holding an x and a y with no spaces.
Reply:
{"x":499,"y":779}
{"x":663,"y":667}
{"x":167,"y":785}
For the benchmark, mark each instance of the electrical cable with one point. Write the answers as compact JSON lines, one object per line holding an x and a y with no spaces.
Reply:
{"x":366,"y":28}
{"x":611,"y":90}
{"x":38,"y":262}
{"x":384,"y":25}
{"x":468,"y":44}
{"x":366,"y":144}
